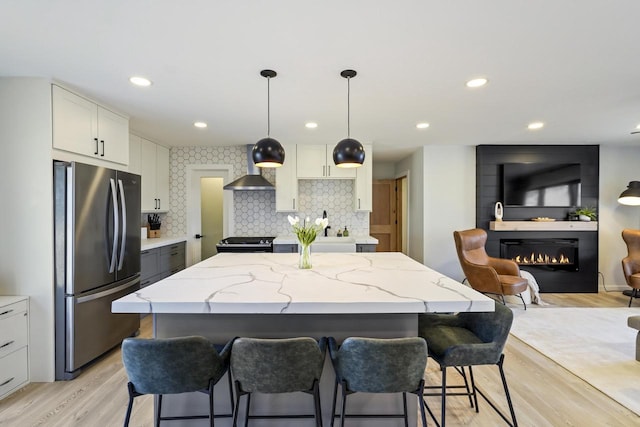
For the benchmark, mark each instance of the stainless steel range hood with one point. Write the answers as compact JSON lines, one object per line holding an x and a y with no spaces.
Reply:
{"x":253,"y":180}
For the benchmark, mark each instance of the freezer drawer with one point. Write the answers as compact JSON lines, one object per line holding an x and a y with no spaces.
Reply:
{"x":92,"y":329}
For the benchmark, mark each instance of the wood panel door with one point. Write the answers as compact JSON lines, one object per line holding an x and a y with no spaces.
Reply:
{"x":383,"y":218}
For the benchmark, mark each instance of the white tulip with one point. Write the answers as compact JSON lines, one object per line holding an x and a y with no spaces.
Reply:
{"x":292,"y":220}
{"x":324,"y":222}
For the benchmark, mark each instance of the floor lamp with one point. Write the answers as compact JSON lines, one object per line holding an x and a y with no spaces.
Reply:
{"x":630,"y":197}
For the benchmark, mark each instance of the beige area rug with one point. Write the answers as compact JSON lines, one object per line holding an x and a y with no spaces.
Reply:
{"x":593,"y":343}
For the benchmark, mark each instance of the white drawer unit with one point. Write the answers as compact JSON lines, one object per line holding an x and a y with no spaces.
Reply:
{"x":14,"y":344}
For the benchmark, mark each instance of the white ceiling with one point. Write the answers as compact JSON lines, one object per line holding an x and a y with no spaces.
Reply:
{"x":573,"y":64}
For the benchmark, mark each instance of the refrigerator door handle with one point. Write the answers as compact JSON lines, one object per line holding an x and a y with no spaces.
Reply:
{"x":124,"y":224}
{"x":116,"y":226}
{"x":103,"y":294}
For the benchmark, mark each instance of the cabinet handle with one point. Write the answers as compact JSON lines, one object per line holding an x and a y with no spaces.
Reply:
{"x":102,"y":142}
{"x":145,"y":283}
{"x":323,"y":169}
{"x":96,"y":140}
{"x":156,"y":203}
{"x":7,"y":381}
{"x":159,"y":203}
{"x":294,"y":203}
{"x":6,"y":312}
{"x":7,"y":344}
{"x":358,"y":203}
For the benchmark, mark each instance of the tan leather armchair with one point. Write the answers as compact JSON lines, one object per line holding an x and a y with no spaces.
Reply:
{"x":487,"y":274}
{"x":631,"y":263}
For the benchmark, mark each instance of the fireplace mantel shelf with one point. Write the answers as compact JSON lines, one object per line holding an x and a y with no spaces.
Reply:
{"x":543,"y":225}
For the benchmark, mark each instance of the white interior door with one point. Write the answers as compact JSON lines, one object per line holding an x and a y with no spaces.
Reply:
{"x":211,"y":216}
{"x":194,"y":205}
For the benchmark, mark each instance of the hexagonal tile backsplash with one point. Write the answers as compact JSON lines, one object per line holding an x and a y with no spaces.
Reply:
{"x":255,"y":211}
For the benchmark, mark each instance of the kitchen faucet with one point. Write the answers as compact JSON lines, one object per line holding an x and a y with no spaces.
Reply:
{"x":324,"y":215}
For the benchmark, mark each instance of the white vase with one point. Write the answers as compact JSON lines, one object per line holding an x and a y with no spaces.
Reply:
{"x":498,"y":211}
{"x":584,"y":218}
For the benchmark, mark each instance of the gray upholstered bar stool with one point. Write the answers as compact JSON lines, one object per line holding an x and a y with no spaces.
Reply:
{"x":465,"y":340}
{"x":174,"y":365}
{"x":376,"y":365}
{"x":283,"y":365}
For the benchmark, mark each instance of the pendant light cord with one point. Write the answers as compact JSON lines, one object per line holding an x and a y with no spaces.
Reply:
{"x":268,"y":107}
{"x":348,"y":107}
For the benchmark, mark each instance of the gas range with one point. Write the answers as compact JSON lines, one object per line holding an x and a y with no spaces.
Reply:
{"x":246,"y":244}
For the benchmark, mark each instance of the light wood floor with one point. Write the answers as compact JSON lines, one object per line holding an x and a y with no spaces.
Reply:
{"x":544,"y":394}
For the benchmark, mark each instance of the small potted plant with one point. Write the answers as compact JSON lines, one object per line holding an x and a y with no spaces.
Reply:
{"x":586,"y":214}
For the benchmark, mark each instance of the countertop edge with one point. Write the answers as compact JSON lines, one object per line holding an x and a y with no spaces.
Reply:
{"x":359,"y":240}
{"x":146,"y":244}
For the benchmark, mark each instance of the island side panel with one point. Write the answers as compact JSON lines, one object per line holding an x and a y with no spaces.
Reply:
{"x":222,"y":327}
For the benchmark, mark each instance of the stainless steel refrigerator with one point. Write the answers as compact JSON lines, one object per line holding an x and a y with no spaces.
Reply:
{"x":97,"y":260}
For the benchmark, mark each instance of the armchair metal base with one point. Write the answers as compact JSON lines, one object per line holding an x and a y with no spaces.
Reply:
{"x":633,"y":293}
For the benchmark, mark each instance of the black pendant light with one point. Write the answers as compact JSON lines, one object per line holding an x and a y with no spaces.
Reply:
{"x":348,"y":153}
{"x":268,"y":153}
{"x":631,"y":196}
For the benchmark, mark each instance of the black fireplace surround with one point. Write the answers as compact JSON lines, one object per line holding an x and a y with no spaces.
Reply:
{"x":579,"y":273}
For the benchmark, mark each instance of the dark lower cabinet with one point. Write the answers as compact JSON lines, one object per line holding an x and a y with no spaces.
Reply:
{"x":158,"y":263}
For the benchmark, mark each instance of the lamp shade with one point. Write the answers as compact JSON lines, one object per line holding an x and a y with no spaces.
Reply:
{"x":348,"y":153}
{"x":631,"y":196}
{"x":268,"y":153}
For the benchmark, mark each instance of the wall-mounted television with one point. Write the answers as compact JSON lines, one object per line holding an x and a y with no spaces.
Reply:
{"x":541,"y":184}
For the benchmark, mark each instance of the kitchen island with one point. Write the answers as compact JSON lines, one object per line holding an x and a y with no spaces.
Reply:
{"x":266,"y":295}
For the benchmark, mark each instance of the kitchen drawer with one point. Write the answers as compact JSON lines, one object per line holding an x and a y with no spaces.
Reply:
{"x":13,"y":331}
{"x":149,"y":264}
{"x":10,"y":310}
{"x":14,"y":371}
{"x":172,"y":256}
{"x":285,"y":248}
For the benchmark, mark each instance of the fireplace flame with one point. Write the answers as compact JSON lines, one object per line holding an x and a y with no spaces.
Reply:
{"x":540,"y":258}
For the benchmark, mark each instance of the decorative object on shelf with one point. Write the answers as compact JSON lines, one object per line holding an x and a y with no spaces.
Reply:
{"x":586,"y":214}
{"x":498,"y":211}
{"x":306,"y":234}
{"x":542,"y":219}
{"x":348,"y":153}
{"x":268,"y":152}
{"x":631,"y":196}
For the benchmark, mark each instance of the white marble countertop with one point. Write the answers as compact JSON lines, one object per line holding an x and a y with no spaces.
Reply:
{"x":271,"y":283}
{"x":358,"y":240}
{"x":146,"y":244}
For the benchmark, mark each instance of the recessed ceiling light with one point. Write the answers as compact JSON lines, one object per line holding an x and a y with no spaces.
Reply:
{"x":535,"y":125}
{"x":477,"y":82}
{"x":311,"y":125}
{"x":422,"y":125}
{"x":200,"y":125}
{"x":140,"y":81}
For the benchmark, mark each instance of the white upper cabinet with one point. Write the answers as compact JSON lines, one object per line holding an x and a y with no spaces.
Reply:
{"x":154,"y":168}
{"x":316,"y":161}
{"x":134,"y":154}
{"x":287,"y":182}
{"x":364,"y":182}
{"x":83,"y":127}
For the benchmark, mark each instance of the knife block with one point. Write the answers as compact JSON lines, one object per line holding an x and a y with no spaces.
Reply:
{"x":153,"y":233}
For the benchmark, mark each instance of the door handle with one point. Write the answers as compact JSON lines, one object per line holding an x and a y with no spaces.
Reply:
{"x":96,"y":140}
{"x":102,"y":141}
{"x":116,"y":225}
{"x":124,"y":224}
{"x":199,"y":236}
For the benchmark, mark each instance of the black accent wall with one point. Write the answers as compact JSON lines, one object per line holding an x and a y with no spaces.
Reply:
{"x":489,"y":161}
